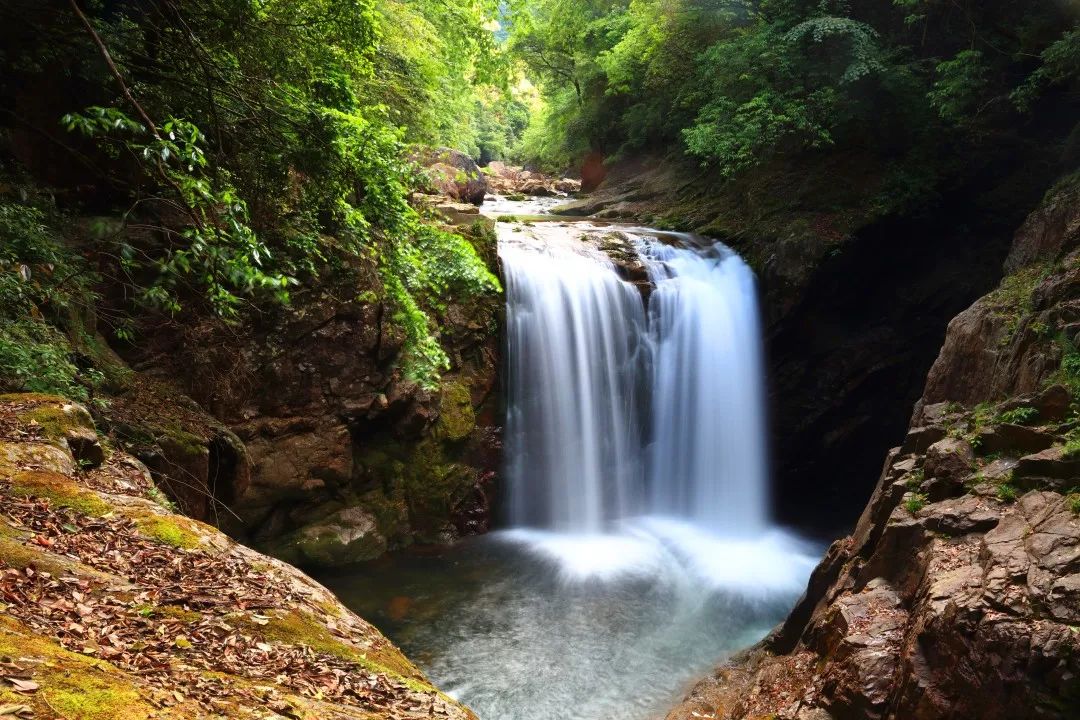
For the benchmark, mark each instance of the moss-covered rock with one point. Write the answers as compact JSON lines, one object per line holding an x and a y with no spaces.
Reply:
{"x":59,"y":421}
{"x":198,"y":462}
{"x":348,"y":536}
{"x":137,"y":564}
{"x":77,"y":687}
{"x":456,"y":416}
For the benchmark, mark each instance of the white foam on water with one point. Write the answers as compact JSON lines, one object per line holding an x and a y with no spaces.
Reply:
{"x":680,"y":553}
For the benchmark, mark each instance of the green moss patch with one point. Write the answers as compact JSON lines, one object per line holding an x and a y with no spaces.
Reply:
{"x":74,"y":686}
{"x":60,"y":491}
{"x":170,"y":611}
{"x":168,"y":530}
{"x":456,"y":416}
{"x":302,"y":628}
{"x":57,"y":419}
{"x":417,"y":487}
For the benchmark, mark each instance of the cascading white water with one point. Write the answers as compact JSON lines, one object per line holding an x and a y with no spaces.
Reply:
{"x":575,"y":334}
{"x":707,"y":456}
{"x":639,"y":552}
{"x":602,"y":403}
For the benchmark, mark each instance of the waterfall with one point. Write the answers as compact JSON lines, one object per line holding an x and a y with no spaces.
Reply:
{"x":707,"y":458}
{"x":575,"y":356}
{"x":612,"y":413}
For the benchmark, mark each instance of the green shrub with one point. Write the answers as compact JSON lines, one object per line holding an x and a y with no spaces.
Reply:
{"x":915,"y":503}
{"x":1019,"y":416}
{"x":1006,"y":493}
{"x":43,"y":283}
{"x":1072,"y":445}
{"x":1069,"y":371}
{"x":1074,"y":502}
{"x":36,"y":357}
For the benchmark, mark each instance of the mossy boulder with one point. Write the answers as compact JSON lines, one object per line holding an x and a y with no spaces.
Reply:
{"x":348,"y":536}
{"x":144,"y":570}
{"x":456,"y":416}
{"x":451,"y":173}
{"x":198,"y":462}
{"x":417,"y":488}
{"x":61,"y":422}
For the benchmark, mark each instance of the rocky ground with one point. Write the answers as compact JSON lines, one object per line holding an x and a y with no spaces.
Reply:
{"x":115,"y":607}
{"x":958,"y":594}
{"x":518,"y":183}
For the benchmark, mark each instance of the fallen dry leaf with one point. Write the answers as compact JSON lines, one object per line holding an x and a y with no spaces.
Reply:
{"x":23,"y":686}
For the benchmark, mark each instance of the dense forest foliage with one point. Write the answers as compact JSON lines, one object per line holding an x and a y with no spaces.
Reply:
{"x":233,"y":150}
{"x":740,"y":81}
{"x":919,"y":88}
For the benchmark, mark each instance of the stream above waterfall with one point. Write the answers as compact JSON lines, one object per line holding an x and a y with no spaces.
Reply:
{"x":638,"y":550}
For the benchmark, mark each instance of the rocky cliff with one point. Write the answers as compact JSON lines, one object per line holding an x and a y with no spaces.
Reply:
{"x":958,"y":594}
{"x":303,"y":436}
{"x":117,"y":608}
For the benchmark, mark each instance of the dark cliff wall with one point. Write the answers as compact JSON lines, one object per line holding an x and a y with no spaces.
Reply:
{"x":958,"y":593}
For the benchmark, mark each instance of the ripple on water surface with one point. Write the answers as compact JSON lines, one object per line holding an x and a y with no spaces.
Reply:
{"x":529,"y":625}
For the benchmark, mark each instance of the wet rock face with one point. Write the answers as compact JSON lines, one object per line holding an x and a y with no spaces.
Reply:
{"x":628,"y":263}
{"x":958,"y":593}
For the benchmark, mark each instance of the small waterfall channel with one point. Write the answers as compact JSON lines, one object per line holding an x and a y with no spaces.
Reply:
{"x":639,"y":550}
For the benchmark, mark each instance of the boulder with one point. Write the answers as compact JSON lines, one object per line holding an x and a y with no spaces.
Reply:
{"x":1017,"y":438}
{"x":1053,"y":403}
{"x":920,"y":438}
{"x":536,"y":188}
{"x":568,"y":185}
{"x":960,"y":516}
{"x":59,"y":421}
{"x":1051,"y":468}
{"x":452,"y":173}
{"x":458,"y":213}
{"x":348,"y":536}
{"x":950,"y":459}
